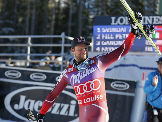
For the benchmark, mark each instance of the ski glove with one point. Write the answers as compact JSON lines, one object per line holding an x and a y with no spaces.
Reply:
{"x":134,"y":27}
{"x":40,"y":117}
{"x":149,"y":29}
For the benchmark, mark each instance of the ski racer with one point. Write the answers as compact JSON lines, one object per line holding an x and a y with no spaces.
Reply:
{"x":86,"y":76}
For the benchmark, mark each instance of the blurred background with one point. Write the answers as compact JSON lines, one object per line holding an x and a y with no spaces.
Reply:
{"x":35,"y":37}
{"x":54,"y":17}
{"x":74,"y":17}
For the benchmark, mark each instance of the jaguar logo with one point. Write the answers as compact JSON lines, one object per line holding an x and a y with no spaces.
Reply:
{"x":20,"y":100}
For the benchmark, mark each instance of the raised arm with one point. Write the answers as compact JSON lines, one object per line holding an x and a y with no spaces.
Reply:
{"x":106,"y":59}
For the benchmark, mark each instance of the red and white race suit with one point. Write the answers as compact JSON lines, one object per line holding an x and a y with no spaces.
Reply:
{"x":89,"y":84}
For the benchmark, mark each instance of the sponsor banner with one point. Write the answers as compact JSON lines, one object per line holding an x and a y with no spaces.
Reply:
{"x":120,"y":85}
{"x":25,"y":74}
{"x":24,"y":97}
{"x":109,"y":32}
{"x":24,"y":89}
{"x":109,"y":37}
{"x":123,"y":20}
{"x":120,"y":94}
{"x":18,"y":94}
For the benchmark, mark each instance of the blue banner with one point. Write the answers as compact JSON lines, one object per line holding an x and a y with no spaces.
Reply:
{"x":107,"y":38}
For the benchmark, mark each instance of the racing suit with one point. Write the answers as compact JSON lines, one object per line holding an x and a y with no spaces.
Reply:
{"x":89,"y":84}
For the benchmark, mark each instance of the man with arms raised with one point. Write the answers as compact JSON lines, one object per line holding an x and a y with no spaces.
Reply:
{"x":86,"y":75}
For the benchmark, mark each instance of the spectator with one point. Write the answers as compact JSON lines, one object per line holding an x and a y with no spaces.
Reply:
{"x":153,"y":89}
{"x":53,"y":58}
{"x":58,"y":63}
{"x":9,"y":62}
{"x":48,"y":52}
{"x":45,"y":64}
{"x":52,"y":62}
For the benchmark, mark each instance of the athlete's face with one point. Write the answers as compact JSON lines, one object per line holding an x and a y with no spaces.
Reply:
{"x":80,"y":52}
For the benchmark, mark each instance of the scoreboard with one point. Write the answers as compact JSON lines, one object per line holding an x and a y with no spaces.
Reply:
{"x":107,"y":38}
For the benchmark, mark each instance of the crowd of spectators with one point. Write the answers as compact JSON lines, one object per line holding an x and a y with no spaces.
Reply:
{"x":49,"y":62}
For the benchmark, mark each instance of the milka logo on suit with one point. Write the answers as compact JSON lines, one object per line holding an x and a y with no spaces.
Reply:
{"x":76,"y":78}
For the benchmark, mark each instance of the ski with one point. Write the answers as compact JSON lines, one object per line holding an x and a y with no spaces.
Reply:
{"x":139,"y":24}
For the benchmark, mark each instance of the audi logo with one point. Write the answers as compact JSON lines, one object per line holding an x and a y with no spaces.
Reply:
{"x":87,"y":87}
